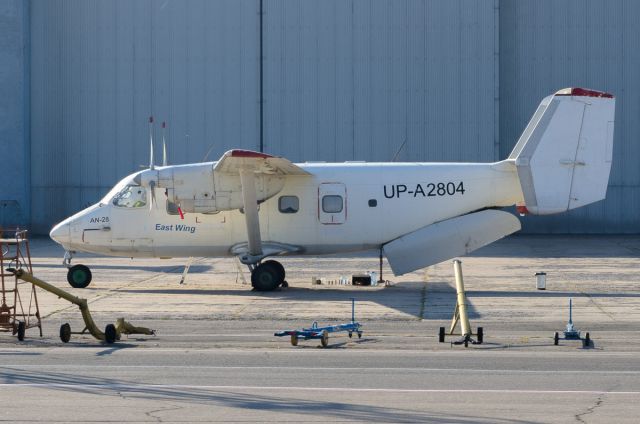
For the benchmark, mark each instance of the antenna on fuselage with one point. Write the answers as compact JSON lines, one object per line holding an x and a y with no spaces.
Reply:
{"x":399,"y":150}
{"x":151,"y":142}
{"x":164,"y":145}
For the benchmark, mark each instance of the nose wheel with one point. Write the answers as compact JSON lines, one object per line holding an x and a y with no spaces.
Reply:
{"x":79,"y":276}
{"x":268,"y":276}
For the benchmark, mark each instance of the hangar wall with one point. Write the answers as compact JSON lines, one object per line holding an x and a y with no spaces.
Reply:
{"x":549,"y":44}
{"x":342,"y":80}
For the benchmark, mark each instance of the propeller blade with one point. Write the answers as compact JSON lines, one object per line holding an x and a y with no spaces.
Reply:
{"x":164,"y":146}
{"x":152,"y":187}
{"x":151,"y":142}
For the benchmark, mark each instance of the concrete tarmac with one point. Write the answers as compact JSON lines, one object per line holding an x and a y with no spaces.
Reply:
{"x":215,"y":359}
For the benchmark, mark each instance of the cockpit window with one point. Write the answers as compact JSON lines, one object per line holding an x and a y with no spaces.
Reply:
{"x":132,"y":196}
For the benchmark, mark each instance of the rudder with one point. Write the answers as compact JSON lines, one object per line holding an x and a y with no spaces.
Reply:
{"x":563,"y":157}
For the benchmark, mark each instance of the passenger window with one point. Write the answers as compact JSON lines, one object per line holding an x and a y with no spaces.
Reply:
{"x":288,"y":204}
{"x":131,"y":197}
{"x":373,"y":203}
{"x":332,"y":203}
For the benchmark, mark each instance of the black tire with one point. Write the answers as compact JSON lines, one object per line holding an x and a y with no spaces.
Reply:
{"x":281,"y":272}
{"x":587,"y":340}
{"x":294,"y":340}
{"x":556,"y":338}
{"x":110,"y":334}
{"x":350,"y":334}
{"x":65,"y":333}
{"x":265,"y":277}
{"x":359,"y":334}
{"x":466,"y":342}
{"x":79,"y":276}
{"x":441,"y":335}
{"x":284,"y":284}
{"x":324,"y":341}
{"x":22,"y":327}
{"x":480,"y":335}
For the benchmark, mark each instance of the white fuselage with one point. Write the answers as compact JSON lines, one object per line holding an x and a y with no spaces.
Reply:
{"x":382,"y":201}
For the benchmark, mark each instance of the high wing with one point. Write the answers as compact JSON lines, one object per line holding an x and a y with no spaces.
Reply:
{"x":247,"y":164}
{"x":234,"y":160}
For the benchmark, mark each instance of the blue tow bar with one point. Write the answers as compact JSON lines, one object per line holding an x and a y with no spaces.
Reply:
{"x":322,"y":333}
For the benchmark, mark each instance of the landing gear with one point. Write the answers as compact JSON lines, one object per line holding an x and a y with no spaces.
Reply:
{"x":79,"y":276}
{"x":268,"y":276}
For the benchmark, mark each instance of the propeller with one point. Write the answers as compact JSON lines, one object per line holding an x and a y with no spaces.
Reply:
{"x":164,"y":146}
{"x":151,"y":142}
{"x":152,"y":188}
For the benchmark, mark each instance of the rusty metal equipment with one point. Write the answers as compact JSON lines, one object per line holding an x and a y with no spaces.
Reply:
{"x":111,"y":333}
{"x":460,"y":314}
{"x":17,"y":316}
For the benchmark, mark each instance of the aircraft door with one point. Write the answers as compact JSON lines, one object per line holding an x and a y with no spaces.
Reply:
{"x":332,"y":203}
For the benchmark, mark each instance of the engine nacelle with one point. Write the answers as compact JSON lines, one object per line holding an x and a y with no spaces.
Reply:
{"x":198,"y":188}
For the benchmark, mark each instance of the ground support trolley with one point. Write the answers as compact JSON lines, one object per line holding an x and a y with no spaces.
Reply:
{"x":322,"y":333}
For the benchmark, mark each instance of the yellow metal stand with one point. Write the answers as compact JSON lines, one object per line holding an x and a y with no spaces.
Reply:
{"x":460,"y":315}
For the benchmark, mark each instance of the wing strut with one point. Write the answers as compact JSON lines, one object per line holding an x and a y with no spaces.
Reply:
{"x":250,"y":200}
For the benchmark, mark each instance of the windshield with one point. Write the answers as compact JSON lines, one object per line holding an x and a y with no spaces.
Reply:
{"x":132,"y":196}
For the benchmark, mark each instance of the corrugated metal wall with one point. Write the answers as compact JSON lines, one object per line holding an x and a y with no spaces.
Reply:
{"x":343,"y":80}
{"x":548,"y":45}
{"x":351,"y":80}
{"x":14,"y":113}
{"x":100,"y":68}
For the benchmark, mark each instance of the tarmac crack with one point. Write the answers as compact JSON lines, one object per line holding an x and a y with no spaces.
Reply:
{"x":590,"y":410}
{"x":158,"y":419}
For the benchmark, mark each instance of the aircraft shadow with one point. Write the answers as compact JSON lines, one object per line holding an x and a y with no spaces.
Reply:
{"x":333,"y":410}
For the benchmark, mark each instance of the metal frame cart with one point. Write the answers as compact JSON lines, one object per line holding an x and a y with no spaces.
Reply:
{"x":14,"y":316}
{"x":322,"y":333}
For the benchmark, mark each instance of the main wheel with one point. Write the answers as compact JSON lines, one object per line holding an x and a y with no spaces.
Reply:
{"x":294,"y":340}
{"x":441,"y":335}
{"x":556,"y":338}
{"x":266,"y":276}
{"x":324,"y":341}
{"x":480,"y":335}
{"x":587,"y":341}
{"x":21,"y":329}
{"x":79,"y":276}
{"x":281,"y":272}
{"x":110,"y":333}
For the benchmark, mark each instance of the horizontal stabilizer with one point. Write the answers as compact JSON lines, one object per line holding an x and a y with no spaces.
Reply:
{"x":447,"y":239}
{"x":262,"y":163}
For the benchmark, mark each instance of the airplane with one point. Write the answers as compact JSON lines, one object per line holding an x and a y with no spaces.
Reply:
{"x":256,"y":206}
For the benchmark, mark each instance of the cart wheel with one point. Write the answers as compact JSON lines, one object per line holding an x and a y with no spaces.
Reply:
{"x":110,"y":333}
{"x":294,"y":340}
{"x":21,"y":329}
{"x":587,"y":340}
{"x":325,"y":338}
{"x":65,"y":333}
{"x":480,"y":335}
{"x":359,"y":334}
{"x":350,"y":334}
{"x":556,"y":338}
{"x":441,"y":335}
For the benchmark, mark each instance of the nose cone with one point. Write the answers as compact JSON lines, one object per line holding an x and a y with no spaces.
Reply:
{"x":61,"y":233}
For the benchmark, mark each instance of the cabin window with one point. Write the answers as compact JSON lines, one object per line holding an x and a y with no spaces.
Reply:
{"x":288,"y":204}
{"x":332,"y":203}
{"x":373,"y":203}
{"x":131,"y":196}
